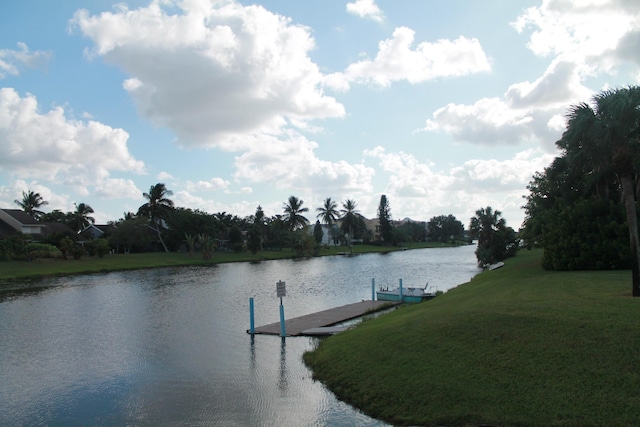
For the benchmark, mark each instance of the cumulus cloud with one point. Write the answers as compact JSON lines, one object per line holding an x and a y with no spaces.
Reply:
{"x":212,"y":71}
{"x":117,"y":188}
{"x":214,"y":184}
{"x":12,"y":61}
{"x":367,"y":9}
{"x":462,"y":189}
{"x":397,"y":59}
{"x":584,"y":39}
{"x":53,"y":147}
{"x":560,"y":83}
{"x":593,"y":33}
{"x":291,"y":163}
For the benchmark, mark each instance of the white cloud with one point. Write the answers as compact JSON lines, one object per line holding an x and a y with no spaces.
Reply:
{"x":11,"y":61}
{"x":212,"y":71}
{"x":366,"y":9}
{"x":291,"y":163}
{"x":165,"y":176}
{"x":585,"y":38}
{"x":117,"y":188}
{"x":489,"y":121}
{"x":397,"y":59}
{"x":420,"y":192}
{"x":588,"y":32}
{"x":560,"y":85}
{"x":214,"y":184}
{"x":50,"y":146}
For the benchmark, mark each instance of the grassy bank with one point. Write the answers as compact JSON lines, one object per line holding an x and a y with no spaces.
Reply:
{"x":518,"y":346}
{"x":25,"y":270}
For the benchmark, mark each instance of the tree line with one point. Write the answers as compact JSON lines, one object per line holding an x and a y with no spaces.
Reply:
{"x":160,"y":225}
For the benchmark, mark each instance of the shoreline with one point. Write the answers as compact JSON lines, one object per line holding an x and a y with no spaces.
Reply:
{"x":25,"y":272}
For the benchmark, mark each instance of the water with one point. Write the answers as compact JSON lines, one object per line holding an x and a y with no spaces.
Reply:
{"x":169,"y":346}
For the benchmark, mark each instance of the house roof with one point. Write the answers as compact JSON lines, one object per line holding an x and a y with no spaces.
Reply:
{"x":21,"y":216}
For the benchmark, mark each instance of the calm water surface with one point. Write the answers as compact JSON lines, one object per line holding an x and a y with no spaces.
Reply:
{"x":169,"y":346}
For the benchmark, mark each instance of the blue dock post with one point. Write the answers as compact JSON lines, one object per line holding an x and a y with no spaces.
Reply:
{"x":252,"y":320}
{"x":400,"y":290}
{"x":283,"y":332}
{"x":373,"y":289}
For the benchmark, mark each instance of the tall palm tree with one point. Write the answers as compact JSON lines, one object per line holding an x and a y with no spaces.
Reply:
{"x":80,"y":218}
{"x":157,"y":207}
{"x":348,"y":217}
{"x":489,"y":227}
{"x":328,"y":213}
{"x":31,"y":202}
{"x":604,"y":138}
{"x":293,"y":211}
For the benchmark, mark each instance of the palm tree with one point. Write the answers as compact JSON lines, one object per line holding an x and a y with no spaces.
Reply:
{"x":31,"y":202}
{"x":493,"y":235}
{"x":293,"y":211}
{"x":349,"y":213}
{"x":603,"y":139}
{"x":80,"y":218}
{"x":329,"y":212}
{"x":157,"y":208}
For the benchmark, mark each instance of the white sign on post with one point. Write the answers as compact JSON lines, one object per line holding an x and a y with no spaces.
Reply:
{"x":281,"y":290}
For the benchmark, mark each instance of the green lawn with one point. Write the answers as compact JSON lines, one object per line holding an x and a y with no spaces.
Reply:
{"x":23,"y":270}
{"x":518,"y":346}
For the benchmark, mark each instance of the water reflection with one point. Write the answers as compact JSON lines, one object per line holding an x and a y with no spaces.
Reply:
{"x":169,"y":347}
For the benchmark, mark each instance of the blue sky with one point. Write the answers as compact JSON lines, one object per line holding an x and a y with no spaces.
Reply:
{"x":444,"y":107}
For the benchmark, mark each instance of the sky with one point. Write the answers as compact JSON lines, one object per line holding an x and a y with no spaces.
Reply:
{"x":444,"y":107}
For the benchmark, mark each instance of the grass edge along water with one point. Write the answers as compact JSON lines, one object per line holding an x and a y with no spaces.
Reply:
{"x":518,"y":346}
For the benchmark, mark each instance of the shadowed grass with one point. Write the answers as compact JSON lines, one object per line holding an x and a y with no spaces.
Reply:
{"x":518,"y":346}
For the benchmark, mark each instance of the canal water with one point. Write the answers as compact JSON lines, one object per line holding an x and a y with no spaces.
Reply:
{"x":169,"y":346}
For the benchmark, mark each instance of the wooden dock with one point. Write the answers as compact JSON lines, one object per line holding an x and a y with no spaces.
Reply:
{"x":318,"y":323}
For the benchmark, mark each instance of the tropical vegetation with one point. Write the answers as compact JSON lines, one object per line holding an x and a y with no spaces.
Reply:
{"x":582,"y":208}
{"x":159,"y":225}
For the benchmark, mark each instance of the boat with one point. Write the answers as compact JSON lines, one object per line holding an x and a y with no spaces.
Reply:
{"x":496,"y":266}
{"x":409,"y":294}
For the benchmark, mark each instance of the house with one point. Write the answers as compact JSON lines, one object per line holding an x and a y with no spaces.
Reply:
{"x":93,"y":231}
{"x":16,"y":220}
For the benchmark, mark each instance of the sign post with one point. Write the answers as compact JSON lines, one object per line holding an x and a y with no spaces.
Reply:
{"x":281,"y":291}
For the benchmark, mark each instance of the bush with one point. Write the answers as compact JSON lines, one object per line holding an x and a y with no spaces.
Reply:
{"x":99,"y":247}
{"x":41,"y":250}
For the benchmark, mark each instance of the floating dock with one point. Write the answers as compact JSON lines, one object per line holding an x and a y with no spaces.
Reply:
{"x":320,"y":323}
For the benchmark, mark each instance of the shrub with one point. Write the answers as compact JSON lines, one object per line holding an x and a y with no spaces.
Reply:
{"x":99,"y":247}
{"x":41,"y":250}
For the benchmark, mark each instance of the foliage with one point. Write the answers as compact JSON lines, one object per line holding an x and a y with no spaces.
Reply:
{"x":445,"y":228}
{"x":318,"y":234}
{"x":67,"y":247}
{"x":349,"y":214}
{"x":293,"y":211}
{"x":41,"y":250}
{"x":132,"y":235}
{"x":328,"y":213}
{"x":574,"y":209}
{"x":31,"y":202}
{"x":191,"y":242}
{"x":587,"y":235}
{"x":207,"y":245}
{"x":415,"y":231}
{"x":99,"y":247}
{"x":496,"y":241}
{"x":157,"y":208}
{"x":384,"y":219}
{"x":81,"y":217}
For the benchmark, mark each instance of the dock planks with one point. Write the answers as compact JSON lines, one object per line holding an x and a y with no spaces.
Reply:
{"x":311,"y":323}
